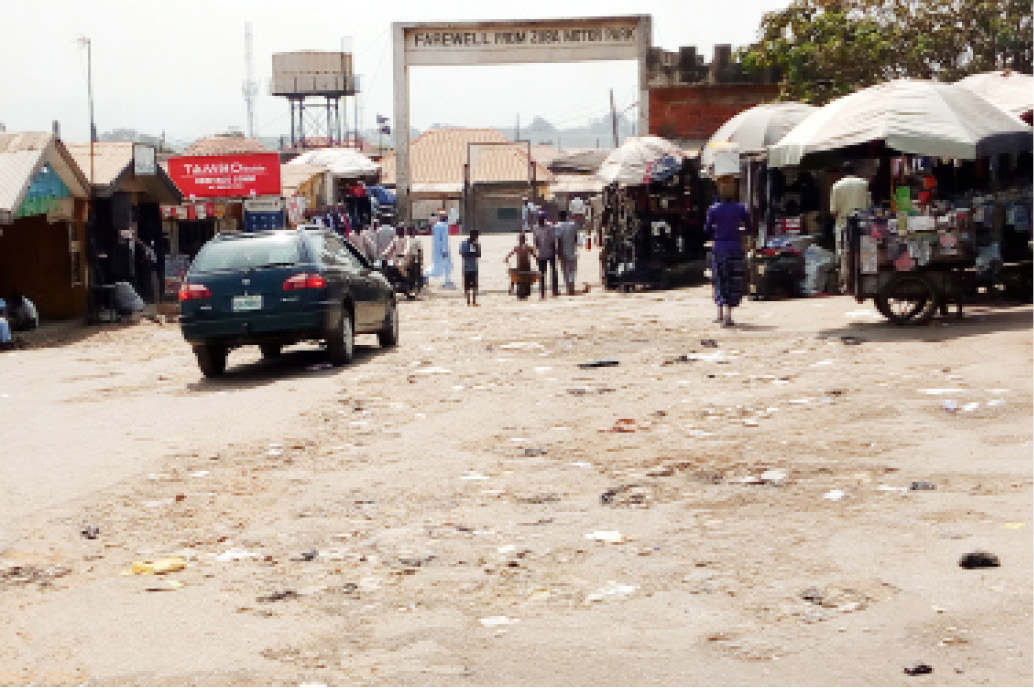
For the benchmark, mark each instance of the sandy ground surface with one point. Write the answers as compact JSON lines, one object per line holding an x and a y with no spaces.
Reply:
{"x":475,"y":508}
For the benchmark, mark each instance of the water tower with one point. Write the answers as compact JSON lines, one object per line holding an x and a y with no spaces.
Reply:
{"x":306,"y":74}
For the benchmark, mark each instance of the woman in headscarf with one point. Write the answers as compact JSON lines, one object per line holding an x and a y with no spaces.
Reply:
{"x":726,"y":222}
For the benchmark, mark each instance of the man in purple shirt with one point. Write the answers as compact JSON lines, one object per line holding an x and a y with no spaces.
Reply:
{"x":726,"y":222}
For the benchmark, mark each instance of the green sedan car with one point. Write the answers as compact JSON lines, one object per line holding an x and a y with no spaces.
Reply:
{"x":276,"y":288}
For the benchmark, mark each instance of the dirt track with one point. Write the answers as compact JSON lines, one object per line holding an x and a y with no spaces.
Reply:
{"x":474,"y":508}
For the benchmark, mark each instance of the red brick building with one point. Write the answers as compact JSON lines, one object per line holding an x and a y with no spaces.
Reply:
{"x":689,"y":100}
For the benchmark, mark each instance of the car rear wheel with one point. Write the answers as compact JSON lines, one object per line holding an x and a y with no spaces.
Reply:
{"x":341,"y":342}
{"x":389,"y":336}
{"x":270,"y":350}
{"x":211,"y":359}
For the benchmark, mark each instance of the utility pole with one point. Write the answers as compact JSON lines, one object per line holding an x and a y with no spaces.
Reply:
{"x":613,"y":118}
{"x":88,"y":44}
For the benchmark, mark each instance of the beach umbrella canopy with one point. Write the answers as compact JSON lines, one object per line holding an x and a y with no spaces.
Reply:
{"x":343,"y":162}
{"x":755,"y":129}
{"x":914,"y":117}
{"x":631,"y":162}
{"x":1011,"y":91}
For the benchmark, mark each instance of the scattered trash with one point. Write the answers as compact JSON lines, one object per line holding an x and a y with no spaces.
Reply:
{"x":494,"y":621}
{"x":979,"y":560}
{"x":611,"y":537}
{"x":431,"y":370}
{"x":600,"y":363}
{"x":700,"y":433}
{"x":164,"y":585}
{"x":235,"y":554}
{"x":316,"y":367}
{"x":275,"y":449}
{"x":627,"y":425}
{"x":1012,"y":526}
{"x":774,"y":476}
{"x":751,"y":422}
{"x":995,"y":403}
{"x":611,"y":590}
{"x":950,"y":405}
{"x":199,"y":474}
{"x":90,"y":532}
{"x":834,"y":495}
{"x":940,"y":392}
{"x":473,"y":475}
{"x":824,"y":362}
{"x":521,"y":345}
{"x":970,"y":407}
{"x":918,"y":668}
{"x":921,"y":485}
{"x":852,"y":341}
{"x":534,"y":451}
{"x":630,"y":495}
{"x":156,"y":567}
{"x":709,"y":343}
{"x":307,"y":555}
{"x":278,"y":596}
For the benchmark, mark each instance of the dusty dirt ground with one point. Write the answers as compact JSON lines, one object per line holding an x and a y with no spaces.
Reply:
{"x":474,"y":508}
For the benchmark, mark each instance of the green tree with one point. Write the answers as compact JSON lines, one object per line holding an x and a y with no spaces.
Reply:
{"x":828,"y":48}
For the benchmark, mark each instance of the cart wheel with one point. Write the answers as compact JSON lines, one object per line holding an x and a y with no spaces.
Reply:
{"x":908,"y":299}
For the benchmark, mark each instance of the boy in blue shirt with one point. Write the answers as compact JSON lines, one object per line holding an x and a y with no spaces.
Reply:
{"x":470,"y":251}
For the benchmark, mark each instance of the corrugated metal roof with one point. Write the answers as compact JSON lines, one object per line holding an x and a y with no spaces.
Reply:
{"x":110,"y":159}
{"x":16,"y":171}
{"x":24,"y":141}
{"x":437,"y":158}
{"x":225,"y":145}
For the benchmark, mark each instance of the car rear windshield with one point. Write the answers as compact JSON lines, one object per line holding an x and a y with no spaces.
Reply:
{"x":248,"y":252}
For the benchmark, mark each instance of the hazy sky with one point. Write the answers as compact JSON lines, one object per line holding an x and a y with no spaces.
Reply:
{"x":178,"y":66}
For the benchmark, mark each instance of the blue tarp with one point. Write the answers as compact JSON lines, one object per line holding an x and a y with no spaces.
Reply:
{"x":383,"y":196}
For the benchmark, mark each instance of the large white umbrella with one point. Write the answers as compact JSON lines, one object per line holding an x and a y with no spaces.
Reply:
{"x":343,"y":162}
{"x":910,"y":116}
{"x":755,"y":129}
{"x":1011,"y":91}
{"x":630,"y":162}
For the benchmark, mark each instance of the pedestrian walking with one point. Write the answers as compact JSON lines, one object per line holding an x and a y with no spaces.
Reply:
{"x":567,"y":249}
{"x":470,"y":252}
{"x":545,"y":247}
{"x":726,"y":221}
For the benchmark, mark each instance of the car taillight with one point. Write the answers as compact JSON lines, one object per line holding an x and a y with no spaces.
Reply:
{"x":190,"y":291}
{"x":304,"y":280}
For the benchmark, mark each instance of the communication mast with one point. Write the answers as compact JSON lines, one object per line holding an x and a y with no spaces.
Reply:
{"x":250,"y":88}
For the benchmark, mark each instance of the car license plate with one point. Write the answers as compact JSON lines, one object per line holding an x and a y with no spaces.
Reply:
{"x":247,"y":303}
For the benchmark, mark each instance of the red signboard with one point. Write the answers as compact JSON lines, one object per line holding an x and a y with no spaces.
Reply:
{"x":212,"y":176}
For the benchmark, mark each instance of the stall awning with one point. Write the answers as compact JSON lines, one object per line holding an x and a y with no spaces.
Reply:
{"x":914,"y":117}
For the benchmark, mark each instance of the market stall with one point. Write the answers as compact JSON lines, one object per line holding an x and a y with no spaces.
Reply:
{"x":940,"y":229}
{"x":651,"y":216}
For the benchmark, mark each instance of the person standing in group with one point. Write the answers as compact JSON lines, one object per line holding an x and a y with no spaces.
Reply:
{"x":525,"y":254}
{"x":567,"y":249}
{"x":369,"y":243}
{"x":441,"y":265}
{"x":384,"y":234}
{"x":726,"y":221}
{"x":545,"y":247}
{"x":848,"y":194}
{"x":470,"y":252}
{"x":527,"y":215}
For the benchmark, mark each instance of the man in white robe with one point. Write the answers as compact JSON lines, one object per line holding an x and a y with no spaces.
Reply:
{"x":441,"y":265}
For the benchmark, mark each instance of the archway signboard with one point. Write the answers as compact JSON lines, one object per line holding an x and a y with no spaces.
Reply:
{"x":497,"y":42}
